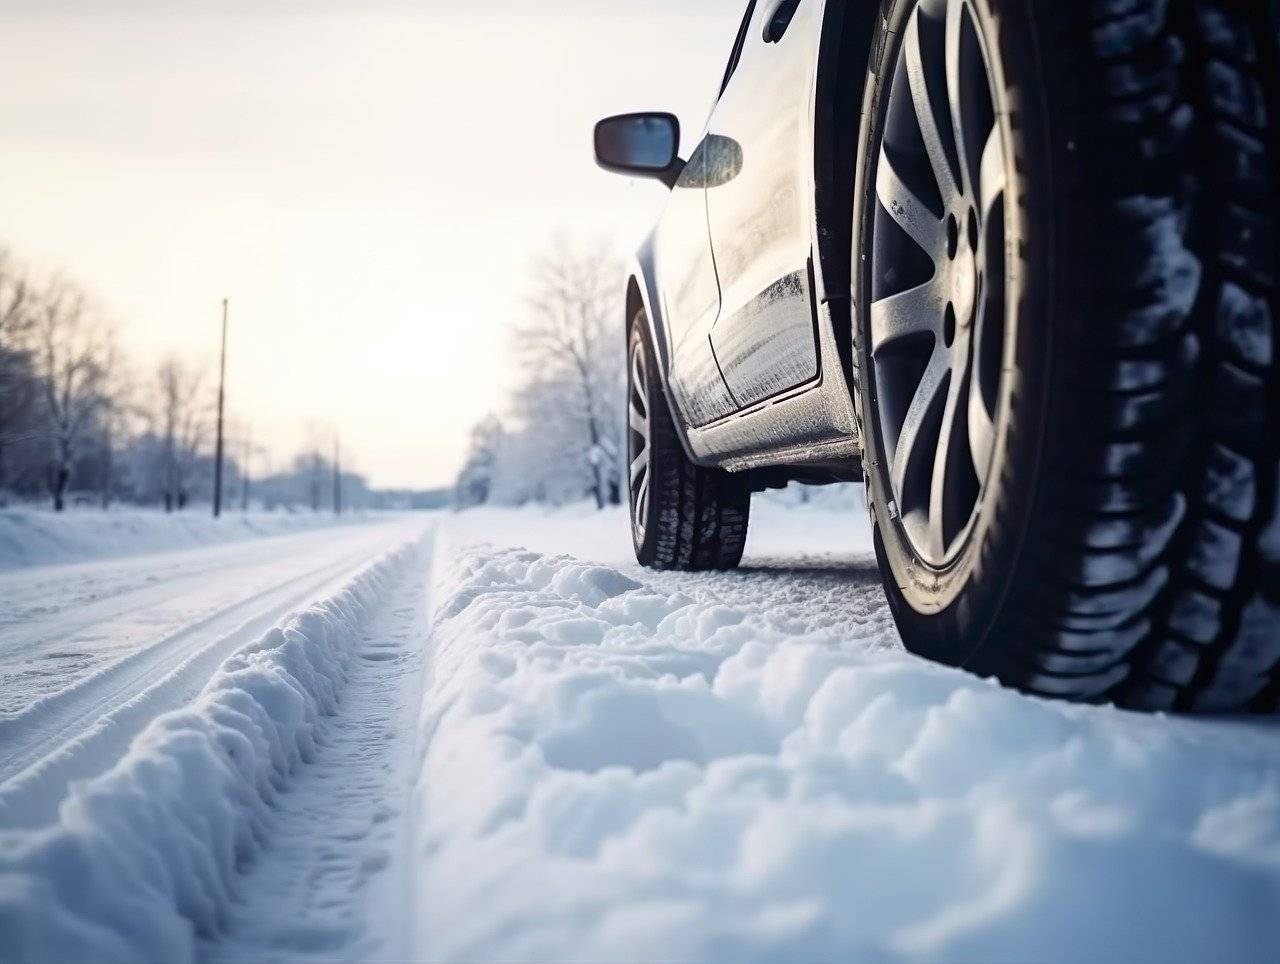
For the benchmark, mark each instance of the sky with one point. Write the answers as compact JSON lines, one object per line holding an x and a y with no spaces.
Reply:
{"x":366,"y":182}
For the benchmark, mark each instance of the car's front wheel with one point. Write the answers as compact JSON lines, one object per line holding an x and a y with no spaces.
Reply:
{"x":683,"y":516}
{"x":1066,"y":290}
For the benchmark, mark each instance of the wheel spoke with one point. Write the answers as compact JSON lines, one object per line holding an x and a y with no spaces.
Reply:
{"x":935,"y":374}
{"x":638,"y":380}
{"x":642,"y":501}
{"x":911,"y":214}
{"x":938,"y":486}
{"x":912,"y":312}
{"x":982,"y":436}
{"x":637,"y":421}
{"x":924,"y":112}
{"x":955,"y":90}
{"x":638,"y":442}
{"x":991,"y":174}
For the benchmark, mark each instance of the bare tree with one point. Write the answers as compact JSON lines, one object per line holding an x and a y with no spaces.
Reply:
{"x":15,"y":302}
{"x":18,"y":384}
{"x":574,"y":353}
{"x":67,"y":406}
{"x":73,"y":355}
{"x":312,"y":462}
{"x":240,"y":434}
{"x":119,"y":412}
{"x":16,"y":288}
{"x":245,"y":464}
{"x":182,"y":422}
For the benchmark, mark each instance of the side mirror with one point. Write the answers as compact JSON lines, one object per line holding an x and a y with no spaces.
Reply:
{"x":642,"y":145}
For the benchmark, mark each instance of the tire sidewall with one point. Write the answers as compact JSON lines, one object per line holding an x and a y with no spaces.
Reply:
{"x":946,"y":613}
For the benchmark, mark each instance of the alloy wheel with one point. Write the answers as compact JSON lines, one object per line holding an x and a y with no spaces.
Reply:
{"x":938,"y":324}
{"x":639,"y":438}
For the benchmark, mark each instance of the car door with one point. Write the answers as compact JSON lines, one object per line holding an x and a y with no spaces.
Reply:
{"x":759,"y":204}
{"x":690,"y":298}
{"x":690,"y":290}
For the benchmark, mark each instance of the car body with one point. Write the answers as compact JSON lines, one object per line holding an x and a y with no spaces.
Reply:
{"x":748,"y":302}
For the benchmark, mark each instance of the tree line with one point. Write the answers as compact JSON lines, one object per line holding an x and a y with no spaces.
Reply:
{"x":80,"y":424}
{"x":560,"y":436}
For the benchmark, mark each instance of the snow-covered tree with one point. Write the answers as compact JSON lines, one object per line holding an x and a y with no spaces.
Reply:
{"x":476,"y":481}
{"x":567,"y":412}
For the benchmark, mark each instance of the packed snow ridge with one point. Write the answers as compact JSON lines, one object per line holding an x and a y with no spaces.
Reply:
{"x":613,"y":773}
{"x":145,"y":859}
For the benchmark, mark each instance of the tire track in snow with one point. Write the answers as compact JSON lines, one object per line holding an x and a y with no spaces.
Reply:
{"x":335,"y":871}
{"x":147,"y":859}
{"x":79,"y":732}
{"x":78,"y":603}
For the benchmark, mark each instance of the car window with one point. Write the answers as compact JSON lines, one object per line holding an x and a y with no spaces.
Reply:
{"x":736,"y":55}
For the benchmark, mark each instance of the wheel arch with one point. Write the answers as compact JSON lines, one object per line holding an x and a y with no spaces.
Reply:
{"x":844,"y":56}
{"x":642,"y":293}
{"x":634,"y":303}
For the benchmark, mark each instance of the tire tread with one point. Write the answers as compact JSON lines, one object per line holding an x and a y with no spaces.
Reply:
{"x":1191,"y":324}
{"x":699,"y":515}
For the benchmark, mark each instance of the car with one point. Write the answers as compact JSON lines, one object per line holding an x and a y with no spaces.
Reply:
{"x":1013,"y":263}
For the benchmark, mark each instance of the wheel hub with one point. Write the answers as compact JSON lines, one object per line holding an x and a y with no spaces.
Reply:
{"x":964,"y":285}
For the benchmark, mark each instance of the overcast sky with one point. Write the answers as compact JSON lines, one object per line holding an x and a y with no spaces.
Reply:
{"x":365,"y":181}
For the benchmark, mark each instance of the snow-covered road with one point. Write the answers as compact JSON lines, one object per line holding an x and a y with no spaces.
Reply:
{"x":91,"y":653}
{"x":492,"y":736}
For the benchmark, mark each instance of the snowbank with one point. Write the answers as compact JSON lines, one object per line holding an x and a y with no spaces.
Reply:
{"x":31,"y":537}
{"x":615,"y":773}
{"x":144,"y":859}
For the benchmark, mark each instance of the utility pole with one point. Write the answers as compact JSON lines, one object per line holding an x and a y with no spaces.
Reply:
{"x":222,"y":383}
{"x":337,"y":477}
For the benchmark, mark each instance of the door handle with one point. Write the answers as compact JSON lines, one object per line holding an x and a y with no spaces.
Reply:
{"x":779,"y":19}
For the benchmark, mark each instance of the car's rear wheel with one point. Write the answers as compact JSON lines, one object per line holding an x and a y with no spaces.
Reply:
{"x":683,"y":516}
{"x":1066,"y":290}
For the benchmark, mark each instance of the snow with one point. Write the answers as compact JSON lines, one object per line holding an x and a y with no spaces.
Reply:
{"x":521,"y":746}
{"x":617,"y":771}
{"x":39,"y":537}
{"x":90,"y":653}
{"x":831,"y":529}
{"x":338,"y":853}
{"x":147,"y":856}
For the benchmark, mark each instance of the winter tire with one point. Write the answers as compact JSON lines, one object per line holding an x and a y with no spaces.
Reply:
{"x":683,"y":516}
{"x":1065,"y":289}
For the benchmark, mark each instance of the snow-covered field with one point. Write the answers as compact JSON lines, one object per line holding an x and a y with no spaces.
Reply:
{"x":37,"y":537}
{"x":490,"y":736}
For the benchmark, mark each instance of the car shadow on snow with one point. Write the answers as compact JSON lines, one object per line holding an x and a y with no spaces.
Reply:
{"x":855,"y":571}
